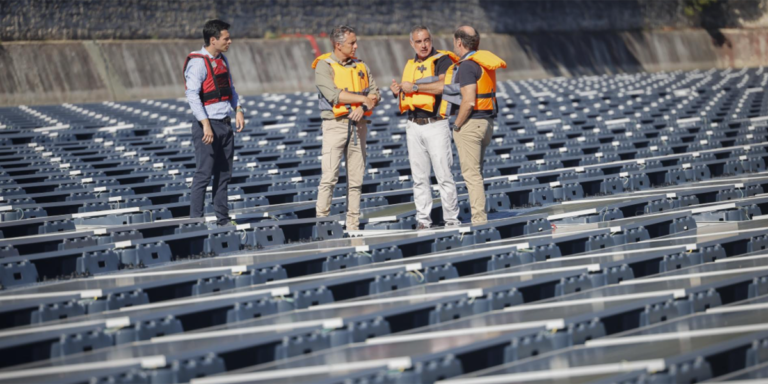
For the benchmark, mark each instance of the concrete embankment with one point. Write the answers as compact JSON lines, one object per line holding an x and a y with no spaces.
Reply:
{"x":94,"y":71}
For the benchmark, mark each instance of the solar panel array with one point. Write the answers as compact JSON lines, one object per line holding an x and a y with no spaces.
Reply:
{"x":626,"y":243}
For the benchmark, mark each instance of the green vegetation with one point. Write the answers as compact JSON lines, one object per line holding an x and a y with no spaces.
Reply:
{"x":695,"y":7}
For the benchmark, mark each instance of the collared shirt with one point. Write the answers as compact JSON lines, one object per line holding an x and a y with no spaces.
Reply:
{"x":441,"y":67}
{"x":469,"y":74}
{"x":195,"y":76}
{"x":327,"y":87}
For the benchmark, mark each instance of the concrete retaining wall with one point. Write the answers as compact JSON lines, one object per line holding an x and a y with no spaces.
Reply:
{"x":92,"y":71}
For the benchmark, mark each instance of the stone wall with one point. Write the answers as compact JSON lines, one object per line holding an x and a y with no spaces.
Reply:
{"x":183,"y":19}
{"x":94,"y":71}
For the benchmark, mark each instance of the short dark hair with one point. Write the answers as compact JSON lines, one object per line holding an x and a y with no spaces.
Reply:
{"x":471,"y":42}
{"x":213,"y":28}
{"x":339,"y":34}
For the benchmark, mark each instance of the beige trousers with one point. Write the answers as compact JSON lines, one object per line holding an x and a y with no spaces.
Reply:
{"x":334,"y":138}
{"x":471,"y":142}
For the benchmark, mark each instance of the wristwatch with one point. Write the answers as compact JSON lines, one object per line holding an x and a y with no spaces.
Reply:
{"x":415,"y":88}
{"x":240,"y":109}
{"x":455,"y":127}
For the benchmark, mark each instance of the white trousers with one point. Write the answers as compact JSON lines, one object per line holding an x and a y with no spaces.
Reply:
{"x":429,"y":147}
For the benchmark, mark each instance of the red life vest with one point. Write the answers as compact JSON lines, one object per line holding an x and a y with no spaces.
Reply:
{"x":217,"y":86}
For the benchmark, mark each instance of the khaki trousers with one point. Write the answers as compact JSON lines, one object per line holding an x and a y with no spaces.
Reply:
{"x":334,"y":138}
{"x":471,"y":142}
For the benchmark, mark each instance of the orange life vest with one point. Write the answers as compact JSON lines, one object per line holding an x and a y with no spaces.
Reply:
{"x":422,"y":73}
{"x":353,"y":80}
{"x":486,"y":85}
{"x":217,"y":86}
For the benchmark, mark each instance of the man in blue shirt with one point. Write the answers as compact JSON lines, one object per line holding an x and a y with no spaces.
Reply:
{"x":212,"y":97}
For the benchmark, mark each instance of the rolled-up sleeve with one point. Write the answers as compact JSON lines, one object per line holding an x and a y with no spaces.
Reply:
{"x":194,"y":77}
{"x":325,"y":84}
{"x":373,"y":89}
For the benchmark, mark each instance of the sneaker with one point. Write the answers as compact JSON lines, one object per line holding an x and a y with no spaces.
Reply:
{"x":452,"y":224}
{"x":422,"y":226}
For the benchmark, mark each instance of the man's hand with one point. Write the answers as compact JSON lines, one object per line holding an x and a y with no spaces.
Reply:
{"x":207,"y":132}
{"x":375,"y":99}
{"x":356,"y":114}
{"x":370,"y":102}
{"x":394,"y":87}
{"x":239,"y":121}
{"x":406,"y":86}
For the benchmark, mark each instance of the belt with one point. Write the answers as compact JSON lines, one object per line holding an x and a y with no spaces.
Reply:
{"x":426,"y":120}
{"x":226,"y":120}
{"x":347,"y":120}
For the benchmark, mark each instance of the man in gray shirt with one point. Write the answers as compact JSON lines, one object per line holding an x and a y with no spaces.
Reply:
{"x":212,"y":98}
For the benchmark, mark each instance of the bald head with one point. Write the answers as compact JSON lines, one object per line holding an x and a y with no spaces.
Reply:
{"x":468,"y":29}
{"x":468,"y":37}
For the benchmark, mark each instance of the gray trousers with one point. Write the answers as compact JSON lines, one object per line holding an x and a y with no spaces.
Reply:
{"x":429,"y":147}
{"x":213,"y":160}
